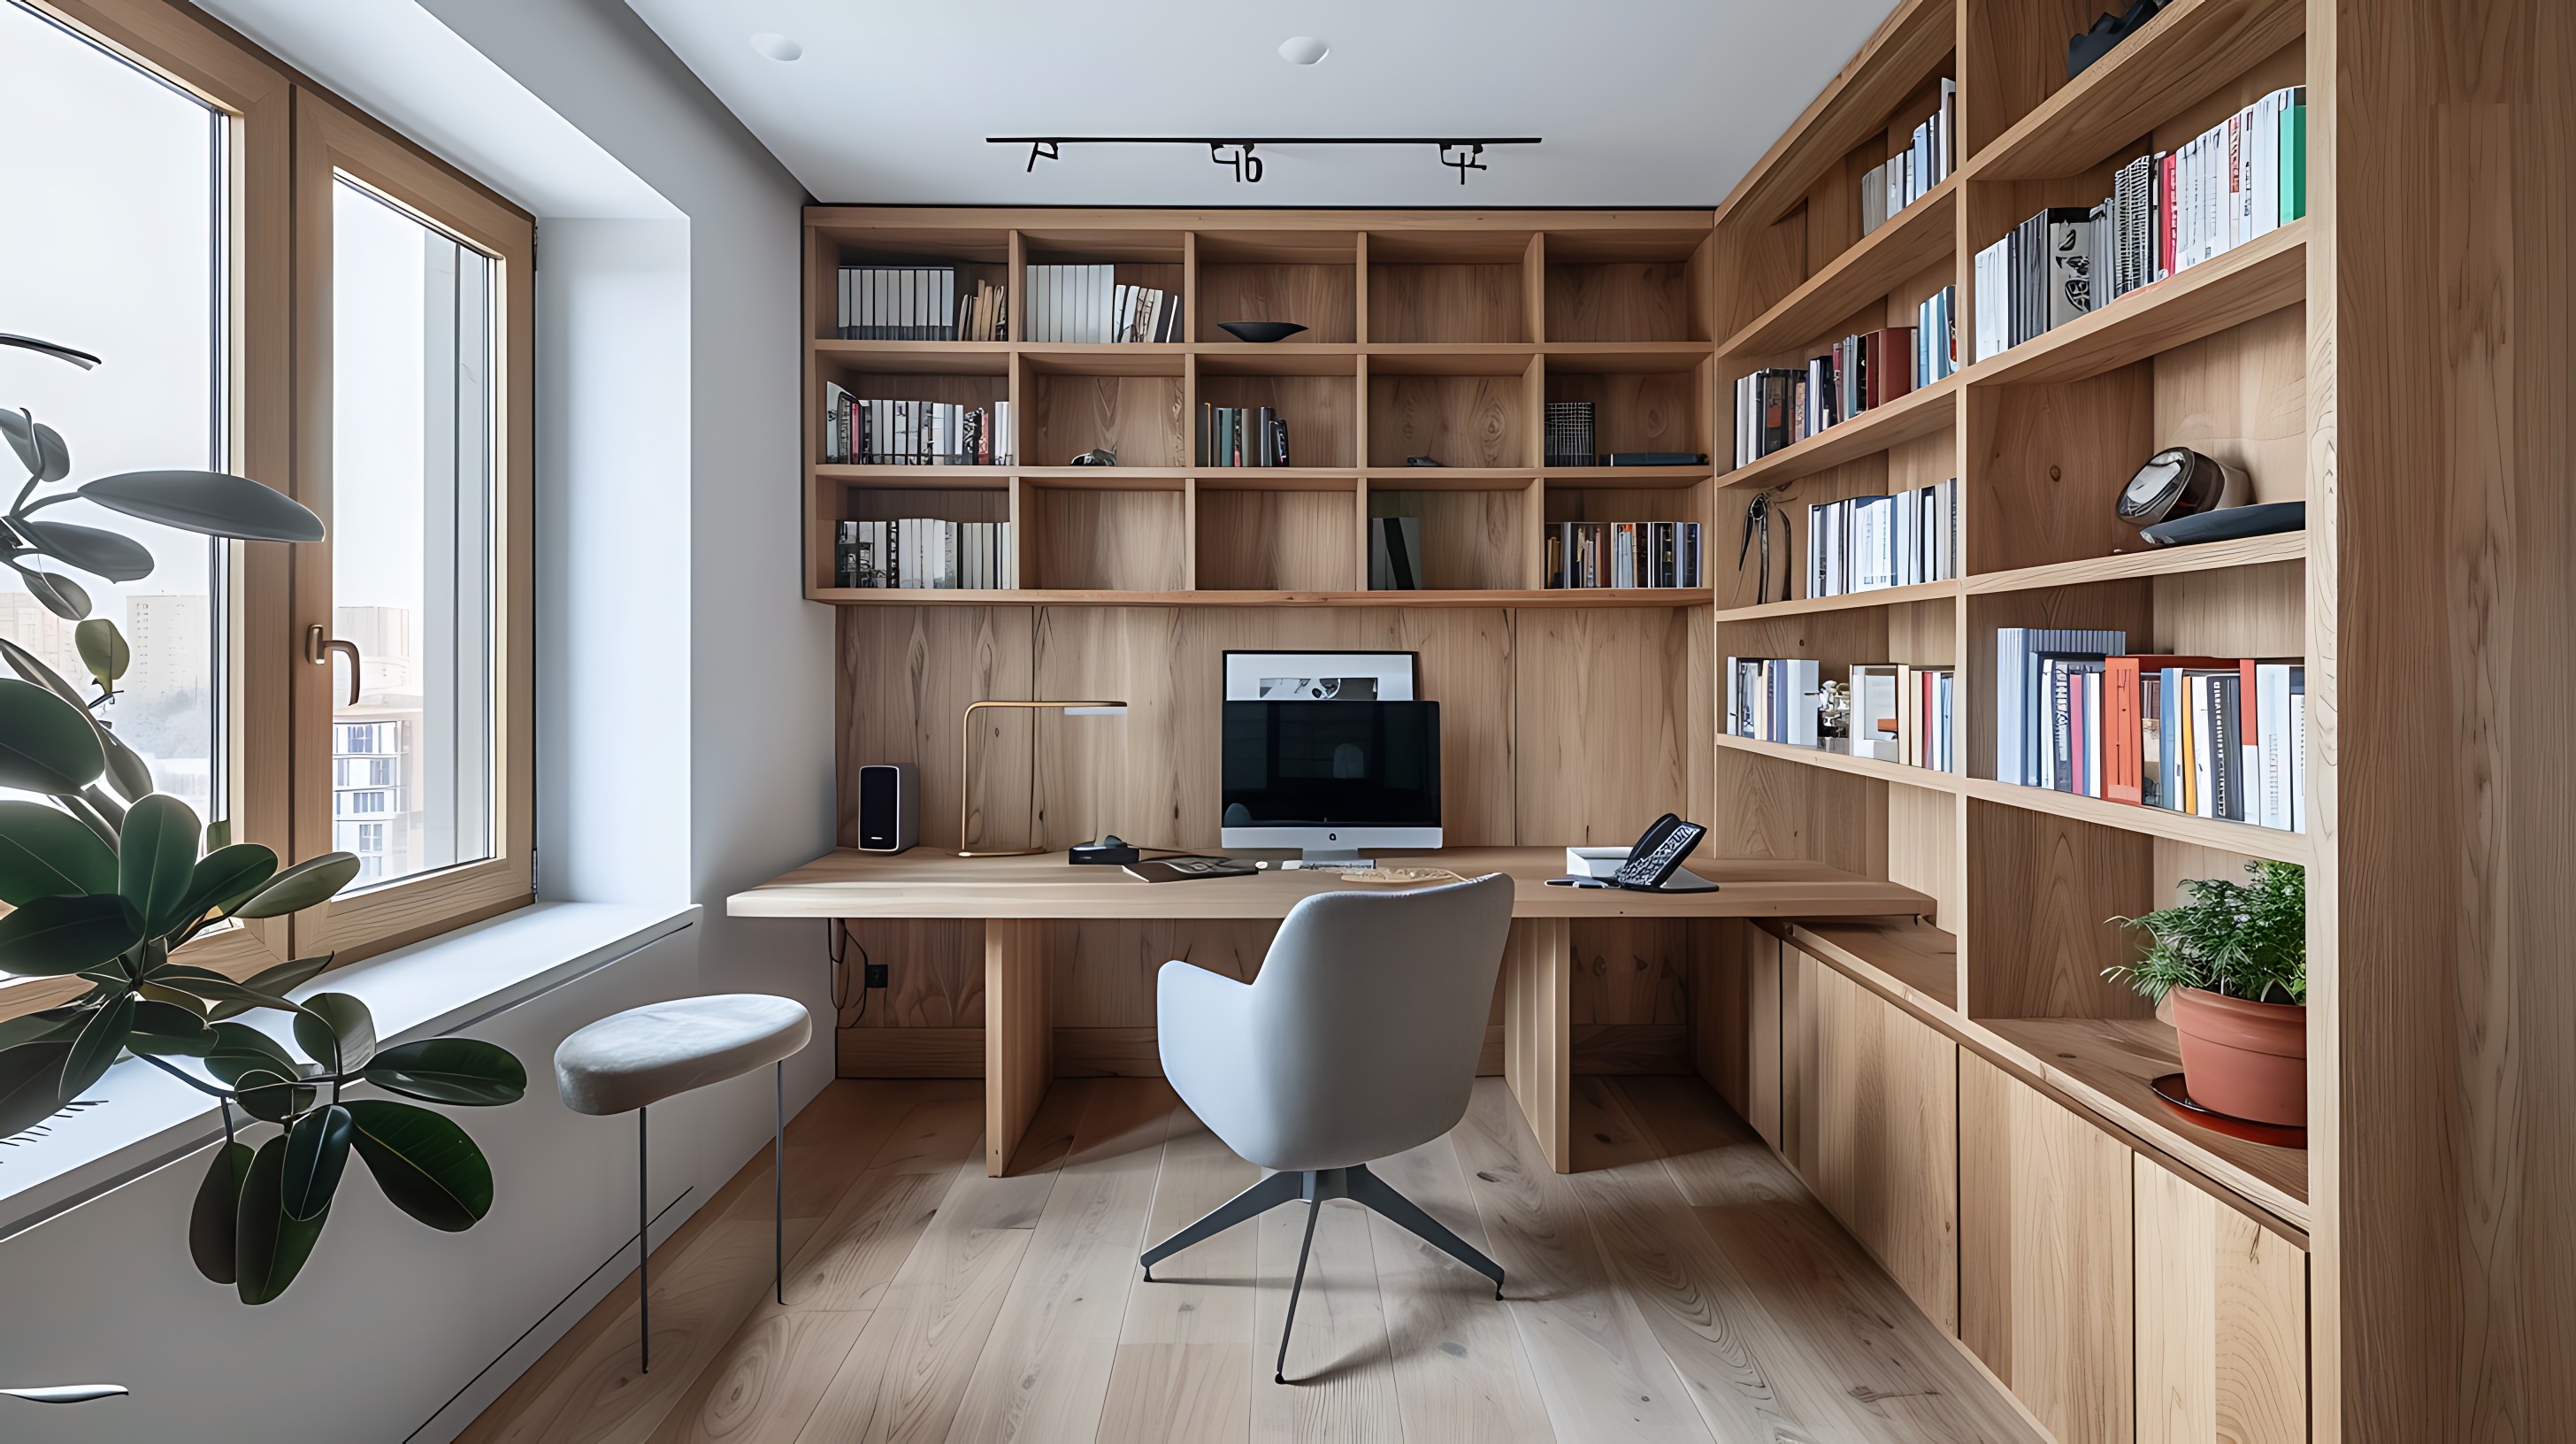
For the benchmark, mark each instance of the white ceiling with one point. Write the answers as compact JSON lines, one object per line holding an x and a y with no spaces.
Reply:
{"x":1639,"y":102}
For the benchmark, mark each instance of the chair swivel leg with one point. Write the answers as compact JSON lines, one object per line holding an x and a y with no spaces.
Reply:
{"x":1314,"y":1206}
{"x":1253,"y":1202}
{"x":1372,"y":1192}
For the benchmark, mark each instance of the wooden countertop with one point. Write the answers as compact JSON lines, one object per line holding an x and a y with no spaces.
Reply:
{"x":929,"y":883}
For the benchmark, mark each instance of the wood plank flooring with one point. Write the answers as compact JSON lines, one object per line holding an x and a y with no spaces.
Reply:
{"x":1681,"y":1286}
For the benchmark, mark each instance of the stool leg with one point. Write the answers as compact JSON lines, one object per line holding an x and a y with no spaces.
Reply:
{"x":643,"y":1245}
{"x":778,"y":1187}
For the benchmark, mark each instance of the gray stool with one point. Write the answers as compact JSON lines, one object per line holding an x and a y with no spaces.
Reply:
{"x":639,"y":1057}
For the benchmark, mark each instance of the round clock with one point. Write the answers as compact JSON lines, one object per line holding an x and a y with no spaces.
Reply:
{"x":2179,"y":482}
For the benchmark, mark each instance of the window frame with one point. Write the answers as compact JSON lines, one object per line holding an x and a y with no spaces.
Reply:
{"x":283,"y":134}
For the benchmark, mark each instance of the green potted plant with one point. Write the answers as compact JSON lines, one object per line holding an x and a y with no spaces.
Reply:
{"x":2234,"y":959}
{"x":106,"y":881}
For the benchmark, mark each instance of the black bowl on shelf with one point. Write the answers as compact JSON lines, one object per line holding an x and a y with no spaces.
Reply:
{"x":1261,"y":331}
{"x":2230,"y":523}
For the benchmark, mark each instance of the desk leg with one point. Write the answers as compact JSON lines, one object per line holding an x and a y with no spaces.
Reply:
{"x":1019,"y":1034}
{"x":1538,"y":1002}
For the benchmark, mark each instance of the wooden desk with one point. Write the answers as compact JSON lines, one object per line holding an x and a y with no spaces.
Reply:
{"x":1012,"y":895}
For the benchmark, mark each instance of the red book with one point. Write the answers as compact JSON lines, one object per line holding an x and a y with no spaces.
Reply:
{"x":1891,"y":364}
{"x":2123,"y":765}
{"x":2166,"y":243}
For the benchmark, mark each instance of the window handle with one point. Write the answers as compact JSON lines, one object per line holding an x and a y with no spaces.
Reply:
{"x":318,"y":649}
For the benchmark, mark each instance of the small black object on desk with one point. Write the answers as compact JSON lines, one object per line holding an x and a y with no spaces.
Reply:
{"x":1110,"y":851}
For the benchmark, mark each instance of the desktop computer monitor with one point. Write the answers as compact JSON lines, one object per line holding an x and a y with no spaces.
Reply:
{"x":1331,"y":778}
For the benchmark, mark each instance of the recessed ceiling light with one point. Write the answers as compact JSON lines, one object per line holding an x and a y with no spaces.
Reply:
{"x":1303,"y":50}
{"x":776,"y":46}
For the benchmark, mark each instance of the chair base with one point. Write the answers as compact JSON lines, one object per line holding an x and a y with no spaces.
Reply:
{"x":1318,"y":1187}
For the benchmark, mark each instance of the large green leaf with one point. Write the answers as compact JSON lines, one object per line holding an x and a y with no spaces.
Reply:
{"x":239,"y":1047}
{"x":168,"y":1028}
{"x":216,"y":988}
{"x":317,"y":1150}
{"x":424,"y":1163}
{"x":46,"y":852}
{"x":28,"y":1027}
{"x":269,"y":1245}
{"x":156,"y":858}
{"x":54,"y":457}
{"x":226,"y":876}
{"x":51,"y":937}
{"x":28,"y":665}
{"x":272,"y":1097}
{"x":130,"y":774}
{"x":60,"y":595}
{"x":275,"y":981}
{"x":31,"y":1084}
{"x":301,"y":886}
{"x":102,"y":553}
{"x":336,"y":1031}
{"x":46,"y":744}
{"x":464,"y":1071}
{"x":102,"y":647}
{"x":101,"y":1038}
{"x":214,"y":1224}
{"x":20,"y":428}
{"x":208,"y":502}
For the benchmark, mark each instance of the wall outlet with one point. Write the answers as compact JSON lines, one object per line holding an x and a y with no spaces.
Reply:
{"x":876,"y":975}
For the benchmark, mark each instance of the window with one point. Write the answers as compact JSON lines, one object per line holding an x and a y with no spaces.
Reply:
{"x":283,"y":289}
{"x":122,"y":258}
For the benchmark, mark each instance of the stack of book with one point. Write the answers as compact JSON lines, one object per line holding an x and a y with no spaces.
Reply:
{"x":1901,"y":713}
{"x":1087,"y":304}
{"x":1242,"y":436}
{"x":858,"y":430}
{"x":918,"y":303}
{"x":1569,"y":433}
{"x":2167,"y":212}
{"x":1936,"y":336}
{"x":1867,"y":543}
{"x":2215,"y":737}
{"x":1910,"y":174}
{"x":1780,"y":407}
{"x":1623,"y":554}
{"x":924,"y":553}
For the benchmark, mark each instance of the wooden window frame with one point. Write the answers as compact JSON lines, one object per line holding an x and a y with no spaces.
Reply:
{"x":286,"y":138}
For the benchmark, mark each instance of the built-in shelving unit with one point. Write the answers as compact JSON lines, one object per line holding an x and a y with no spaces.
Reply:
{"x":1428,"y":333}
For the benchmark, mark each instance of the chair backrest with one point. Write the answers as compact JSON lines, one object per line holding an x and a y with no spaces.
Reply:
{"x":1369,"y":1011}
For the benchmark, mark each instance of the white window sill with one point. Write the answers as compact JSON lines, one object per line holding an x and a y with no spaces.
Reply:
{"x":145,"y":1118}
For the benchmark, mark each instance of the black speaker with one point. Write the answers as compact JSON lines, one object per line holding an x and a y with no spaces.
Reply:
{"x":888,"y":820}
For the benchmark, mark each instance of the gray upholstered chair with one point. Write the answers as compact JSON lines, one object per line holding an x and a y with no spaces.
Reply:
{"x":1357,"y":1040}
{"x":639,"y":1057}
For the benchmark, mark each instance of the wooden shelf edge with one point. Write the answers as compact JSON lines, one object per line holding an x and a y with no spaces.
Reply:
{"x":1878,"y":767}
{"x":2250,"y":839}
{"x":1909,"y":960}
{"x":2266,"y":274}
{"x":2152,"y":76}
{"x":1916,"y":413}
{"x":2104,"y":1075}
{"x":1882,"y":597}
{"x":2157,"y":562}
{"x":1909,"y":241}
{"x":1047,"y":597}
{"x":1895,"y":59}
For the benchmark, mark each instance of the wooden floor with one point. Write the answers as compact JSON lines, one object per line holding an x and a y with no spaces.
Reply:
{"x":1683,"y":1287}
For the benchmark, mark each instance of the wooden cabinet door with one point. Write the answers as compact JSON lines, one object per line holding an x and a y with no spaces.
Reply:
{"x":2045,"y":1281}
{"x":2222,"y":1320}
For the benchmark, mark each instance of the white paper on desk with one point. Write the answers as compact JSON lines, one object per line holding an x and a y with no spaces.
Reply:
{"x":1594,"y":861}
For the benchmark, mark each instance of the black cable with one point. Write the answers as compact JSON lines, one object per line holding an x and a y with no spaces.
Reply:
{"x":837,"y":942}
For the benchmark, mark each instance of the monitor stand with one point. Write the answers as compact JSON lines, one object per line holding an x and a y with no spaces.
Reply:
{"x":1328,"y":859}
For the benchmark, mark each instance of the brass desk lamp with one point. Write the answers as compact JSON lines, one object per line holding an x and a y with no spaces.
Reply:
{"x":966,"y":766}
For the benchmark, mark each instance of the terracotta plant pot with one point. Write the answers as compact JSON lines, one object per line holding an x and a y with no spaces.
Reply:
{"x":2244,"y":1058}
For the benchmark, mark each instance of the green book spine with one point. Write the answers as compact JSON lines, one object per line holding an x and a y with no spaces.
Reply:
{"x":2294,"y":163}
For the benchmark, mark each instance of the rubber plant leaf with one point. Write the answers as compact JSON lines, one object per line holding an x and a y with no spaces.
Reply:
{"x":309,"y":882}
{"x":102,"y":647}
{"x":47,"y":745}
{"x":239,"y":1048}
{"x":317,"y":1150}
{"x":61,"y":595}
{"x":225,"y":877}
{"x":20,"y":428}
{"x":425,"y":1164}
{"x":156,"y":859}
{"x":275,"y":981}
{"x":467,"y":1072}
{"x":131,"y":776}
{"x":44,"y":852}
{"x":54,"y":937}
{"x":271,"y":1097}
{"x":210,"y":503}
{"x":108,"y":554}
{"x":269,"y":1245}
{"x":336,"y":1031}
{"x":101,"y":1039}
{"x":215,"y":1222}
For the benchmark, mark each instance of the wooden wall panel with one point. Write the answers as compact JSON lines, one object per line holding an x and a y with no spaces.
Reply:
{"x":1277,"y":541}
{"x":2222,"y":1320}
{"x":2040,"y":898}
{"x":2045,"y":463}
{"x":1322,"y":413}
{"x":1139,"y":417}
{"x":905,"y":677}
{"x":1773,"y":807}
{"x":1084,"y":540}
{"x":934,"y":973}
{"x":2242,"y":396}
{"x":1631,"y":970}
{"x":1446,"y":303}
{"x":1601,"y":724}
{"x":1105,"y":971}
{"x":1321,"y":298}
{"x":1620,"y":301}
{"x":1471,"y":540}
{"x":1459,"y":420}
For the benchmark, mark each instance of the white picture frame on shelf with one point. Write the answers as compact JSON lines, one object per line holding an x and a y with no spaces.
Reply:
{"x":1319,"y":677}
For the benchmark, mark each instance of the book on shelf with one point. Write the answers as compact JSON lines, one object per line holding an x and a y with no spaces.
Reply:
{"x":1901,"y":713}
{"x":1910,"y":174}
{"x":1774,"y":699}
{"x":1641,"y":554}
{"x":1780,"y":407}
{"x":918,"y":303}
{"x":1242,"y":436}
{"x":1936,"y":336}
{"x":2168,"y":211}
{"x":865,"y":431}
{"x":1088,"y":304}
{"x":1568,"y":433}
{"x":1395,"y":553}
{"x":923,"y":553}
{"x":2214,"y":737}
{"x":1865,"y":543}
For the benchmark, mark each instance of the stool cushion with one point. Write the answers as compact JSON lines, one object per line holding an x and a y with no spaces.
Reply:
{"x":644,"y":1055}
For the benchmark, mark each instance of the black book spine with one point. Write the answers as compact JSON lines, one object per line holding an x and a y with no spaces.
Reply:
{"x":2226,"y":778}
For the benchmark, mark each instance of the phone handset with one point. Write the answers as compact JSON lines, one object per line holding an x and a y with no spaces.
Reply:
{"x":1659,"y":853}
